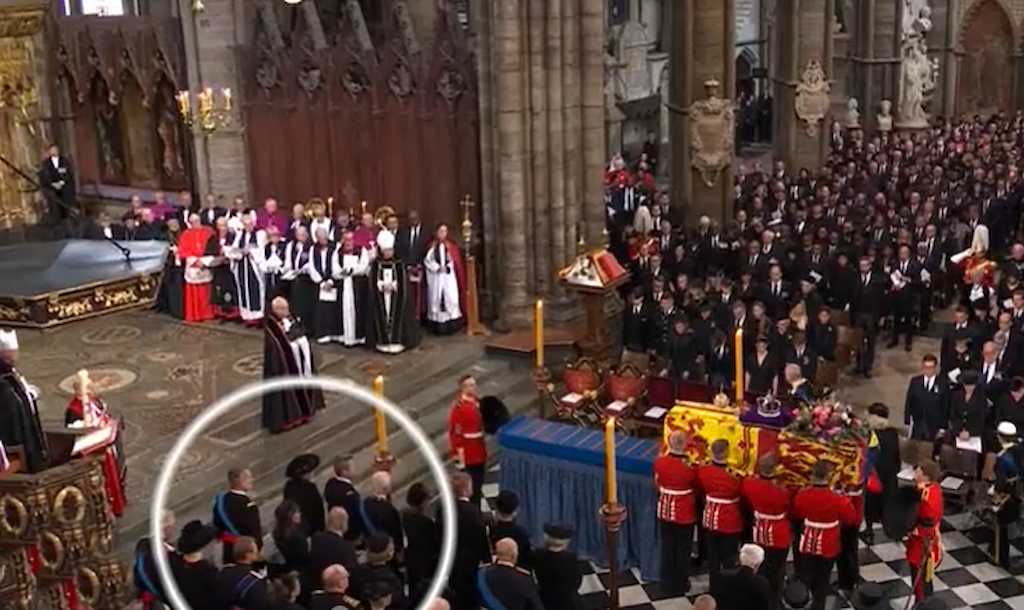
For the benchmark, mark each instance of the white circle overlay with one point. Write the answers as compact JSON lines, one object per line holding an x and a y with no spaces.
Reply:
{"x":346,"y":387}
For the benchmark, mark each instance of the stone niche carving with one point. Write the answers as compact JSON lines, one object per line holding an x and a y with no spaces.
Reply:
{"x":712,"y":134}
{"x":812,"y":96}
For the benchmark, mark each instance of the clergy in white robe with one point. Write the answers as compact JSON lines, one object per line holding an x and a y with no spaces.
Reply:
{"x":445,"y":283}
{"x":352,"y":284}
{"x":322,"y":268}
{"x":272,"y":263}
{"x":247,"y":254}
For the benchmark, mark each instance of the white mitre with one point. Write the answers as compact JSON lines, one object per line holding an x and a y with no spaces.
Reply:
{"x":8,"y":341}
{"x":386,"y":240}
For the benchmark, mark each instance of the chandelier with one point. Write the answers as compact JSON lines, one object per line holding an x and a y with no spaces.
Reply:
{"x":210,"y":112}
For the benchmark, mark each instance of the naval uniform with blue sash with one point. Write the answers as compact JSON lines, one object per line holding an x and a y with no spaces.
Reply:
{"x":235,"y":515}
{"x":379,"y":516}
{"x":503,"y":586}
{"x":144,"y":574}
{"x":240,"y":586}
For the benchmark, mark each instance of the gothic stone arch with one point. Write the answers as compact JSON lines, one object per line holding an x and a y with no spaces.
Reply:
{"x":987,"y":42}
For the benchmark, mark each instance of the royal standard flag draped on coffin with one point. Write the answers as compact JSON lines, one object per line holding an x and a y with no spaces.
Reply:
{"x":705,"y":423}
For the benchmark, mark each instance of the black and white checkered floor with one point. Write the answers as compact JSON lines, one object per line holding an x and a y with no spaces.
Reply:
{"x":966,"y":578}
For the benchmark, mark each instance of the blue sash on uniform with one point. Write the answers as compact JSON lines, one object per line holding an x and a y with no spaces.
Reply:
{"x":144,"y":579}
{"x":485,"y":591}
{"x":242,"y":588}
{"x":222,"y":513}
{"x":367,"y":522}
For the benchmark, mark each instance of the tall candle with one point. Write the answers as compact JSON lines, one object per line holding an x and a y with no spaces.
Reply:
{"x":382,"y":425}
{"x":612,"y":492}
{"x":538,"y":331}
{"x":738,"y":350}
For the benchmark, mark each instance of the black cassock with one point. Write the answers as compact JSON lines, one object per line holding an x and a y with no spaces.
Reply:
{"x":19,"y":419}
{"x":296,"y":284}
{"x":288,"y":408}
{"x":393,"y":326}
{"x":304,"y":493}
{"x":273,"y":266}
{"x":224,"y":293}
{"x":171,"y":299}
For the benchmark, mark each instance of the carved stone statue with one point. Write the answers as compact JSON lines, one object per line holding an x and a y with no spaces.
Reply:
{"x":917,"y":72}
{"x":812,"y":96}
{"x":712,"y":133}
{"x":852,"y":114}
{"x":884,"y":118}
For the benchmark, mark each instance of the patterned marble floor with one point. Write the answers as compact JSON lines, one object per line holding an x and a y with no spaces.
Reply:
{"x":966,"y":578}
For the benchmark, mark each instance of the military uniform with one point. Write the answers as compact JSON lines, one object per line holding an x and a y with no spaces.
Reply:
{"x":466,"y":441}
{"x":558,"y":579}
{"x":505,"y":586}
{"x":722,"y":520}
{"x":924,"y":543}
{"x":677,"y":515}
{"x":239,"y":586}
{"x":848,"y":561}
{"x":235,"y":515}
{"x":771,"y":505}
{"x":823,"y":512}
{"x":322,"y":600}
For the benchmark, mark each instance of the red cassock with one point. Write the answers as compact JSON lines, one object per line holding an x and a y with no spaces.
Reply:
{"x":113,"y":480}
{"x":721,"y":489}
{"x":771,"y":505}
{"x":466,"y":432}
{"x":675,"y":480}
{"x":926,"y":533}
{"x":198,"y":279}
{"x":823,"y":512}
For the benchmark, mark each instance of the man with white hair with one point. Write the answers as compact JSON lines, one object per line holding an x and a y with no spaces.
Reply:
{"x":379,"y":515}
{"x":392,"y":325}
{"x":19,"y":410}
{"x":148,"y":586}
{"x":330,"y":547}
{"x":334,"y":594}
{"x":503,"y":585}
{"x":742,"y":588}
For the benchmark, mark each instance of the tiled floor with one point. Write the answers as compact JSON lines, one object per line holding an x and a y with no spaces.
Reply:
{"x":966,"y":578}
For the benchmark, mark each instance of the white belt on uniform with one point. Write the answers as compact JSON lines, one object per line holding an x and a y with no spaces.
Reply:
{"x":820,"y":525}
{"x":715,"y":500}
{"x":767,"y":517}
{"x":473,"y":435}
{"x":674,"y":492}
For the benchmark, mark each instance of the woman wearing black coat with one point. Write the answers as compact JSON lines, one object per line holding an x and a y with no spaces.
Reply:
{"x":300,"y":490}
{"x":886,"y":467}
{"x":292,"y":543}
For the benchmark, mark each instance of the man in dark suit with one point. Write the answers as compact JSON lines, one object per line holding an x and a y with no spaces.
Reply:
{"x":904,"y":294}
{"x":473,"y":548}
{"x":926,"y":409}
{"x":865,"y":311}
{"x":776,"y":293}
{"x":801,"y":354}
{"x":637,"y":320}
{"x":210,"y":211}
{"x":57,"y":180}
{"x":379,"y":515}
{"x":960,"y":327}
{"x":742,"y":588}
{"x":506,"y":509}
{"x":340,"y":491}
{"x":330,"y":547}
{"x":411,"y":245}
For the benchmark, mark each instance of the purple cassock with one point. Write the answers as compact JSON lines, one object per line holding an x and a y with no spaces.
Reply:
{"x":278,"y":219}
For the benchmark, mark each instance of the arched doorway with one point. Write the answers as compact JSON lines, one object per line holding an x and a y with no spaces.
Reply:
{"x":985,"y":77}
{"x":745,"y":74}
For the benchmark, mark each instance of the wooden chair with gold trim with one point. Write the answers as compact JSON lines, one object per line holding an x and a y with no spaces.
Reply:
{"x":626,"y":388}
{"x":583,"y":381}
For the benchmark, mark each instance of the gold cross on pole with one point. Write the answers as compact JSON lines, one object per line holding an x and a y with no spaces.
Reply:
{"x":467,"y":225}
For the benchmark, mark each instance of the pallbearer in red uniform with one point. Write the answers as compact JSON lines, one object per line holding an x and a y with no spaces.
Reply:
{"x":771,"y":504}
{"x":848,"y":561}
{"x":823,"y":512}
{"x":87,"y":410}
{"x":924,"y":544}
{"x":677,"y":513}
{"x":466,"y":435}
{"x":723,"y":519}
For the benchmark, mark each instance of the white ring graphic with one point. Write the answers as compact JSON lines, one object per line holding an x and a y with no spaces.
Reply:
{"x":252,"y":391}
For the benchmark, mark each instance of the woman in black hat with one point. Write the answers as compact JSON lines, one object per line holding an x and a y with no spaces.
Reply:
{"x":882,"y":480}
{"x":196,"y":577}
{"x":557,"y":569}
{"x":300,"y":490}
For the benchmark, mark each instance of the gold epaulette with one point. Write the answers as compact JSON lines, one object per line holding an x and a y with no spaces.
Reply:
{"x":350,"y":601}
{"x":522,"y":570}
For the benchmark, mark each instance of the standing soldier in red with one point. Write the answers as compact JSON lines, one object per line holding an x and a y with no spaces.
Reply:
{"x":823,"y":511}
{"x":924,"y":543}
{"x":722,"y":520}
{"x":771,"y":505}
{"x":677,"y":513}
{"x":466,"y":435}
{"x":848,"y":562}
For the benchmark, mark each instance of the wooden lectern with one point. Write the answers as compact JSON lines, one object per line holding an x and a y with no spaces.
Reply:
{"x":594,"y":276}
{"x":57,"y":531}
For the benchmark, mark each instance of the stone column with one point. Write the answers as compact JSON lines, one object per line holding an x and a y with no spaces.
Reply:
{"x":210,"y":39}
{"x":592,"y":21}
{"x":509,"y":32}
{"x":805,"y":36}
{"x":703,"y":44}
{"x":539,"y":218}
{"x":572,"y":111}
{"x":558,"y":254}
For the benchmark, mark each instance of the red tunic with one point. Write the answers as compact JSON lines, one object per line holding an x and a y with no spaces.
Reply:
{"x":926,"y":533}
{"x":111,"y":471}
{"x":675,"y":480}
{"x":771,"y":505}
{"x":722,"y":499}
{"x":466,"y":432}
{"x":823,"y":512}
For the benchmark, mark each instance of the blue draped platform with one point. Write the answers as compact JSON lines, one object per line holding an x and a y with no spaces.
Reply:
{"x":558,"y":472}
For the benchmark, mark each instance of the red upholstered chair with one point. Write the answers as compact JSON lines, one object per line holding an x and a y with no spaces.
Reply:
{"x":693,"y":392}
{"x":661,"y":392}
{"x":583,"y":381}
{"x":625,"y":387}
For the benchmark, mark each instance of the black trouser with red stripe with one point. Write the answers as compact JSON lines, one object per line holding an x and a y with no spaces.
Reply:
{"x":723,"y":550}
{"x":774,"y":568}
{"x":676,"y":545}
{"x":815,"y":571}
{"x":848,"y":561}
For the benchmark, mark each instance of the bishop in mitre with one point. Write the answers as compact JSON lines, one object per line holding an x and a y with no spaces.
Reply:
{"x":393,"y":327}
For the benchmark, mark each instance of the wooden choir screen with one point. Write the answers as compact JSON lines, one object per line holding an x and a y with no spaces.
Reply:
{"x":120,"y":75}
{"x":379,"y":120}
